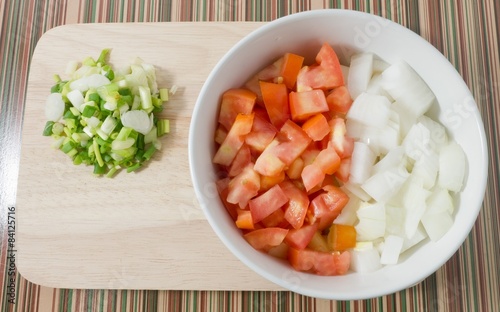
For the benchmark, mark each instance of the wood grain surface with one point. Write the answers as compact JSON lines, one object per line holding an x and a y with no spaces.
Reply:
{"x":141,"y":230}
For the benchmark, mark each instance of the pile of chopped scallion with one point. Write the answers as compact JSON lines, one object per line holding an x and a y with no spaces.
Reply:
{"x":106,"y":118}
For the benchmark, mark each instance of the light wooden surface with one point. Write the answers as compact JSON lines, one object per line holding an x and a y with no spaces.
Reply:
{"x":141,"y":230}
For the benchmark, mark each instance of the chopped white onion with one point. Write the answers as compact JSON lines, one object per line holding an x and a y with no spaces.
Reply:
{"x":360,"y":73}
{"x":452,"y":165}
{"x":54,"y":107}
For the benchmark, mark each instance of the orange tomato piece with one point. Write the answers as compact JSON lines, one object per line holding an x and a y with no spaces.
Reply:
{"x":244,"y":219}
{"x":266,"y":182}
{"x":292,"y":63}
{"x":341,"y":237}
{"x":321,"y":263}
{"x":266,"y":238}
{"x":275,"y":97}
{"x":306,"y":104}
{"x":339,"y":100}
{"x":234,"y":140}
{"x":316,"y":127}
{"x":234,"y":102}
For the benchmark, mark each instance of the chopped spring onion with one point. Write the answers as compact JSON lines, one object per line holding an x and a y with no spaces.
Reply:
{"x":106,"y":118}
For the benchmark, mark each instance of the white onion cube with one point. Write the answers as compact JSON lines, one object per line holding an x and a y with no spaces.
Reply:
{"x":392,"y":248}
{"x":452,"y":165}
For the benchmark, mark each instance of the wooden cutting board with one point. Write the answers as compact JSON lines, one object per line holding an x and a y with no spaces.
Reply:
{"x":140,"y":230}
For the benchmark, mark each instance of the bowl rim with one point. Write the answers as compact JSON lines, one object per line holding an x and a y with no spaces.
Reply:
{"x":348,"y":295}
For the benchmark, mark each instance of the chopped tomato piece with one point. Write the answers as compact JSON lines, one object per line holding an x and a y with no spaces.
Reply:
{"x":244,"y":219}
{"x":241,"y":160}
{"x":328,"y":160}
{"x":326,"y":74}
{"x":267,"y":203}
{"x":339,"y":100}
{"x":321,"y":263}
{"x":262,"y":133}
{"x":342,"y":144}
{"x":268,"y":73}
{"x":275,"y":97}
{"x":295,"y":169}
{"x":312,"y":175}
{"x":234,"y":102}
{"x":341,"y":237}
{"x":268,"y":163}
{"x":275,"y":219}
{"x":298,"y":203}
{"x":264,"y":239}
{"x":293,"y":142}
{"x":316,"y":127}
{"x":234,"y":140}
{"x":266,"y":182}
{"x":222,"y":188}
{"x":244,"y":186}
{"x":279,"y":251}
{"x":318,"y":243}
{"x":306,"y":104}
{"x":326,"y":206}
{"x":292,"y":63}
{"x":300,"y":238}
{"x":220,"y":134}
{"x":344,"y":170}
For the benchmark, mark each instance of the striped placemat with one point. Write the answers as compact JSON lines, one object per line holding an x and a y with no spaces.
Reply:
{"x":466,"y":32}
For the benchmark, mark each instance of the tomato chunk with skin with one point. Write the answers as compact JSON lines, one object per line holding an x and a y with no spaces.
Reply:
{"x":298,"y":203}
{"x":262,"y":133}
{"x":268,"y":163}
{"x":241,"y":160}
{"x":275,"y":219}
{"x":339,"y":100}
{"x":294,"y":141}
{"x":316,"y":127}
{"x":321,"y":263}
{"x":342,"y":143}
{"x":267,"y":203}
{"x":306,"y":104}
{"x":244,"y":219}
{"x":344,"y":170}
{"x":266,"y":238}
{"x":324,"y":75}
{"x":223,"y":190}
{"x":326,"y":206}
{"x":244,"y":186}
{"x":292,"y":63}
{"x":275,"y":97}
{"x":234,"y":140}
{"x":234,"y":102}
{"x":300,"y":238}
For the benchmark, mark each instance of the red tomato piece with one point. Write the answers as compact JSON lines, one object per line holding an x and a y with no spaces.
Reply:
{"x":339,"y":100}
{"x":321,"y":263}
{"x":264,"y":239}
{"x":312,"y":175}
{"x":342,"y":144}
{"x":316,"y":127}
{"x":328,"y":160}
{"x":292,"y":63}
{"x":234,"y":102}
{"x":275,"y":219}
{"x":294,"y":141}
{"x":298,"y":203}
{"x":267,"y":203}
{"x":262,"y":133}
{"x":325,"y":75}
{"x":344,"y":170}
{"x":275,"y":97}
{"x":306,"y":104}
{"x":326,"y":206}
{"x":244,"y":186}
{"x":244,"y":219}
{"x":222,"y":188}
{"x":234,"y":140}
{"x":268,"y":163}
{"x":241,"y":160}
{"x":300,"y":238}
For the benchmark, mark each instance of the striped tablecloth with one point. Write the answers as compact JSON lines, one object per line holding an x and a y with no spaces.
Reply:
{"x":465,"y":31}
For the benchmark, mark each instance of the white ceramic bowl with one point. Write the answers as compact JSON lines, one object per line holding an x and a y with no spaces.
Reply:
{"x":347,"y":32}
